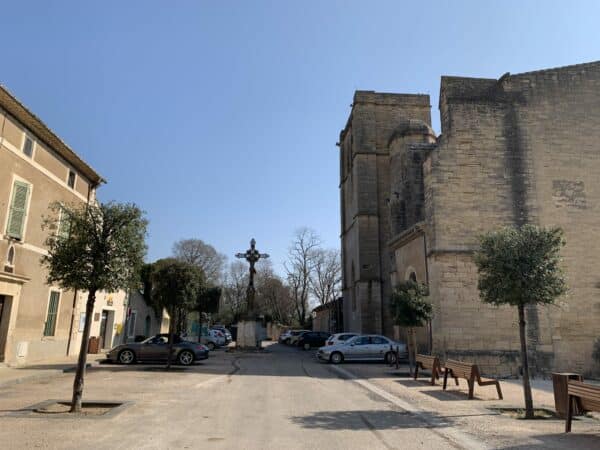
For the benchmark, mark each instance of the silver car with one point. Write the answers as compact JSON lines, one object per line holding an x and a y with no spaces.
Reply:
{"x":156,"y":349}
{"x":372,"y":347}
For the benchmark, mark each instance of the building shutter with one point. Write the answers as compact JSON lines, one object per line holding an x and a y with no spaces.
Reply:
{"x":50,"y":326}
{"x":17,"y":213}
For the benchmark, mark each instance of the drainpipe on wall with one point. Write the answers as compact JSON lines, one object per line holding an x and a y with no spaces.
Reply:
{"x":427,"y":282}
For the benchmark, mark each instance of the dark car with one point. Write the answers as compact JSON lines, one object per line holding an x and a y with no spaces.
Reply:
{"x":313,"y":339}
{"x":156,"y":349}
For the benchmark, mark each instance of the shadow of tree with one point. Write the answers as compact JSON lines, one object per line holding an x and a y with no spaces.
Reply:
{"x":370,"y":419}
{"x":579,"y":441}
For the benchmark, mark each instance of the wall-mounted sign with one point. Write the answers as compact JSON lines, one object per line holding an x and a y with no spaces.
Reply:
{"x":109,"y":300}
{"x":96,"y":317}
{"x":81,"y":321}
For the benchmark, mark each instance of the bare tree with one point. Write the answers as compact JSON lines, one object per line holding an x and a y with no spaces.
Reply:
{"x":326,"y":276}
{"x":235,"y":284}
{"x":299,"y":268}
{"x":272,"y":295}
{"x":203,"y":255}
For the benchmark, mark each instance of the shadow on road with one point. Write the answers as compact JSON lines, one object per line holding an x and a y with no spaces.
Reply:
{"x":370,"y":419}
{"x":577,"y":441}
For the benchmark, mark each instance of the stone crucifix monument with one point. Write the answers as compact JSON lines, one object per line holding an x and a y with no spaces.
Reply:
{"x":250,"y":332}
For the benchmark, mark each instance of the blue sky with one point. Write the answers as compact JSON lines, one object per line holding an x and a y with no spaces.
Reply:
{"x":220,"y":118}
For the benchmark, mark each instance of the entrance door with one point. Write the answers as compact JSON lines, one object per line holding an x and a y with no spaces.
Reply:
{"x":103,"y":328}
{"x":2,"y":333}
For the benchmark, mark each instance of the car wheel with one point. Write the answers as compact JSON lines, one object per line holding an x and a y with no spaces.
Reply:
{"x":306,"y":346}
{"x":336,"y":358}
{"x":211,"y":346}
{"x":390,"y":358}
{"x":185,"y":358}
{"x":126,"y":356}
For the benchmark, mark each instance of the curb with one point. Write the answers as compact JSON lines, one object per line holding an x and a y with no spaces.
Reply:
{"x":45,"y":375}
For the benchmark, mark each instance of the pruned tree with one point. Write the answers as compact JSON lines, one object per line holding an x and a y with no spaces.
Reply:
{"x":176,"y":286}
{"x":520,"y":267}
{"x":93,"y":247}
{"x":203,"y":255}
{"x":326,"y":277}
{"x":299,"y":267}
{"x":410,"y":309}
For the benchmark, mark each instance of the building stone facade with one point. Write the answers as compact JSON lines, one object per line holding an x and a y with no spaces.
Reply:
{"x":39,"y":322}
{"x":519,"y":149}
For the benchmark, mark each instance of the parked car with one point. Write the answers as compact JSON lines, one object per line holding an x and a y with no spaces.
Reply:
{"x":223,"y":330}
{"x":218,"y":336}
{"x":312,"y":339}
{"x":338,"y":338}
{"x":285,"y":335}
{"x":363,"y":348}
{"x":156,"y":349}
{"x":293,"y":339}
{"x":210,"y":341}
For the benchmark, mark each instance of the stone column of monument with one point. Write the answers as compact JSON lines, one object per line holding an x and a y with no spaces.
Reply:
{"x":250,"y":331}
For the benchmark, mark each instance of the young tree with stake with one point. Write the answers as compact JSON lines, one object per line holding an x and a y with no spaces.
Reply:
{"x":410,"y":309}
{"x":93,"y":247}
{"x":520,"y":267}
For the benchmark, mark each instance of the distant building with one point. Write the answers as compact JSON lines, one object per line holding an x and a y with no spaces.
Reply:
{"x":519,"y":149}
{"x":142,"y":320}
{"x":329,"y":317}
{"x":36,"y":169}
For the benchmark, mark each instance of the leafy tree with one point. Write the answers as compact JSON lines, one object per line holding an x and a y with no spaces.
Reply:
{"x":410,"y":309}
{"x":93,"y":247}
{"x":519,"y":267}
{"x":176,"y":286}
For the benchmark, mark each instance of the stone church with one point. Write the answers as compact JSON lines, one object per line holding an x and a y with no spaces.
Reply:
{"x":523,"y":148}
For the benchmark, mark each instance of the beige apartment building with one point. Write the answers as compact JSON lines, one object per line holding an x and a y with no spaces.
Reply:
{"x":522,"y":148}
{"x":36,"y":169}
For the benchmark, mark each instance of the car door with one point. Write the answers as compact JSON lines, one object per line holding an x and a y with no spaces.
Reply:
{"x":155,"y":349}
{"x":379,"y":347}
{"x":358,"y":348}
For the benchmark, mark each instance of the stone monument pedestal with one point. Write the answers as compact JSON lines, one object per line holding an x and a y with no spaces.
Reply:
{"x":250,"y":334}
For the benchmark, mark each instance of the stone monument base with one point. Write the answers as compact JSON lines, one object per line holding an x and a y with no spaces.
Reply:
{"x":250,"y":334}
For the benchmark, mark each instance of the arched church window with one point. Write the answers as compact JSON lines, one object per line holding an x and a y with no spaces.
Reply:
{"x":413,"y":277}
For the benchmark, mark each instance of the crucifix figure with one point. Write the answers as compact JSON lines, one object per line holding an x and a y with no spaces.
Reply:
{"x":252,"y":256}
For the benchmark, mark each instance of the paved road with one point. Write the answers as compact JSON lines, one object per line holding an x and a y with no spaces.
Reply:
{"x":283,"y":399}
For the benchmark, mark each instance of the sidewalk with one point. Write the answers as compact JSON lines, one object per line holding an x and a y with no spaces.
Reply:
{"x":43,"y":370}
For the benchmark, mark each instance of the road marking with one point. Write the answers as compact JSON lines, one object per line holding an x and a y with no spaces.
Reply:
{"x":454,"y":435}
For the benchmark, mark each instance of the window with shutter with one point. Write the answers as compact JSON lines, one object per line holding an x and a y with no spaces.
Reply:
{"x":50,"y":326}
{"x":28,"y":146}
{"x":17,"y":211}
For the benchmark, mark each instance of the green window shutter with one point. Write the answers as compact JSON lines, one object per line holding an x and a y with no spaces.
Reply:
{"x":50,"y":326}
{"x":17,"y":212}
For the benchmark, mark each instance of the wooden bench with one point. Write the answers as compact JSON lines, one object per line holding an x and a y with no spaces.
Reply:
{"x":426,"y":362}
{"x":469,"y":372}
{"x":587,"y":397}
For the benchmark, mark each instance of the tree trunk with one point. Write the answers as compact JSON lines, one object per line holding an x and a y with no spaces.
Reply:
{"x":525,"y":364}
{"x":81,"y":361}
{"x":412,"y":343}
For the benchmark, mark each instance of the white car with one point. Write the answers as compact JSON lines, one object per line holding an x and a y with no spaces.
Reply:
{"x":338,"y":338}
{"x":218,"y":336}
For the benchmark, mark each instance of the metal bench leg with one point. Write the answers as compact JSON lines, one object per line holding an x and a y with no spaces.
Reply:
{"x":569,"y":414}
{"x":471,"y":388}
{"x":445,"y":378}
{"x":499,"y":390}
{"x":456,"y":380}
{"x":416,"y":370}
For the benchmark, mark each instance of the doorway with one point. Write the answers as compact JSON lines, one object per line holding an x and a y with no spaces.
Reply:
{"x":4,"y":318}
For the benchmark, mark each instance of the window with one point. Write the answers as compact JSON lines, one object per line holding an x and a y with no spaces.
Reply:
{"x":378,"y":340}
{"x":18,"y":210}
{"x":10,"y":258}
{"x":28,"y":146}
{"x":362,"y":340}
{"x":50,"y":327}
{"x":71,"y":180}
